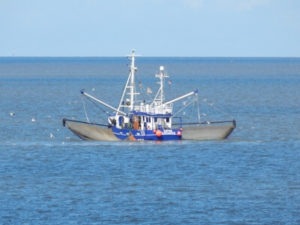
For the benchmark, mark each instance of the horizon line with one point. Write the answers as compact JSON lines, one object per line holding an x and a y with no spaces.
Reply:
{"x":141,"y":56}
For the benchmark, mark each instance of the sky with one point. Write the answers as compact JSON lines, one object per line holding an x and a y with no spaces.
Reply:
{"x":204,"y":28}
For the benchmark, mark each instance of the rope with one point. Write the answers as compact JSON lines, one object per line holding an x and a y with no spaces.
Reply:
{"x":212,"y":105}
{"x":97,"y":105}
{"x":94,"y":103}
{"x":196,"y":103}
{"x":184,"y":107}
{"x":198,"y":107}
{"x":142,"y":89}
{"x":85,"y":112}
{"x":78,"y":121}
{"x":207,"y":122}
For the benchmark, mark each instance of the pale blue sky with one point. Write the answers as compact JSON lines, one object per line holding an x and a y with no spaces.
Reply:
{"x":152,"y":27}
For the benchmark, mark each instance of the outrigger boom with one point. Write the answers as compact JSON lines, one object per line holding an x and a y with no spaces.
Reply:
{"x":181,"y":97}
{"x":101,"y":102}
{"x":123,"y":113}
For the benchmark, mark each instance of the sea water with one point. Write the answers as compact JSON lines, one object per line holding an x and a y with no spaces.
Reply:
{"x":49,"y":176}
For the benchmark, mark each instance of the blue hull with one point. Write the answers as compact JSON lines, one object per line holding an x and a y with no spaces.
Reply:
{"x":149,"y":135}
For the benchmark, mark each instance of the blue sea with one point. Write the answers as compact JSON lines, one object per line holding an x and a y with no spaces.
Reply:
{"x":50,"y":176}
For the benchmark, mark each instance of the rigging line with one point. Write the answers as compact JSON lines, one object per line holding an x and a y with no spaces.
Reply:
{"x":84,"y":108}
{"x":97,"y":105}
{"x":198,"y":107}
{"x":193,"y":109}
{"x":140,"y":88}
{"x":190,"y":115}
{"x":218,"y":109}
{"x":100,"y":108}
{"x":185,"y":106}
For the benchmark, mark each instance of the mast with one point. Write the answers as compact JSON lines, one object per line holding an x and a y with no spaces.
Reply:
{"x":129,"y":88}
{"x":132,"y":84}
{"x":162,"y":75}
{"x":160,"y":97}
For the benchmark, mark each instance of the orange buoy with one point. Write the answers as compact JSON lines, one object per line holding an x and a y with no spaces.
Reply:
{"x":158,"y":133}
{"x":179,"y":133}
{"x":131,"y":137}
{"x":154,"y":131}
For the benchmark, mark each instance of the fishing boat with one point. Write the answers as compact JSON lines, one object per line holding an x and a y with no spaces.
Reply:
{"x":135,"y":119}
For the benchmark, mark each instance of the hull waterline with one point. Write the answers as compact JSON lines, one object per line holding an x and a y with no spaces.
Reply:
{"x":97,"y":132}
